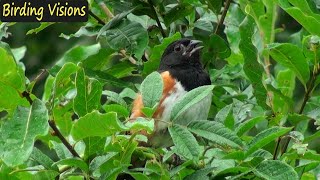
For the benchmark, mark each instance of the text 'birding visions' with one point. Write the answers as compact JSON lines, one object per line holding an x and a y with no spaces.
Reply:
{"x":44,"y":10}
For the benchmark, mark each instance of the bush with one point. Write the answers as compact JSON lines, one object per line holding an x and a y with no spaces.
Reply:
{"x":265,"y":105}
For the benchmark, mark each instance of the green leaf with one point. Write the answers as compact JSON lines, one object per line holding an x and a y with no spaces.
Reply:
{"x":43,"y":159}
{"x":115,"y":97}
{"x":107,"y":78}
{"x":151,"y":89}
{"x":185,"y":143}
{"x":251,"y":67}
{"x":88,"y":94}
{"x":75,"y":55}
{"x":119,"y":109}
{"x":265,"y":137}
{"x":10,"y":73}
{"x":40,"y":28}
{"x":17,"y":136}
{"x":141,"y":124}
{"x":201,"y":174}
{"x":63,"y":81}
{"x":94,"y":146}
{"x":87,"y":31}
{"x":274,"y":170}
{"x":302,"y":13}
{"x":225,"y":116}
{"x":216,"y":132}
{"x":177,"y":12}
{"x":130,"y":36}
{"x":19,"y":53}
{"x":286,"y":84}
{"x":291,"y":57}
{"x":96,"y":124}
{"x":180,"y":110}
{"x":216,"y":47}
{"x":115,"y":21}
{"x":156,"y":53}
{"x":10,"y":98}
{"x":100,"y":160}
{"x":248,"y":124}
{"x":74,"y":162}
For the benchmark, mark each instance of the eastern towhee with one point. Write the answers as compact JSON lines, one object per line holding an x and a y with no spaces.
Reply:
{"x":181,"y":71}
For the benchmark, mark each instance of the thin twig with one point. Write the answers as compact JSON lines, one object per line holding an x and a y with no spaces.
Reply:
{"x":223,"y":16}
{"x":276,"y":149}
{"x":96,"y":17}
{"x":57,"y":132}
{"x":63,"y":140}
{"x":106,"y":10}
{"x":157,"y":18}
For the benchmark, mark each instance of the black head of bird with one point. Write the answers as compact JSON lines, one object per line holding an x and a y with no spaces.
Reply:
{"x":180,"y":54}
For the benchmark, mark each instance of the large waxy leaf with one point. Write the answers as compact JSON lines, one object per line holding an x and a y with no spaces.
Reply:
{"x":10,"y":98}
{"x":185,"y":143}
{"x":151,"y":89}
{"x":10,"y":73}
{"x":74,"y":162}
{"x":247,"y":125}
{"x":43,"y":159}
{"x":274,"y":170}
{"x":302,"y":13}
{"x":40,"y":28}
{"x":17,"y":135}
{"x":96,"y":124}
{"x":177,"y":12}
{"x":225,"y":116}
{"x":292,"y":57}
{"x":252,"y":68}
{"x":156,"y":54}
{"x":76,"y":55}
{"x":199,"y":95}
{"x":265,"y":137}
{"x":128,"y":35}
{"x":63,"y":81}
{"x":216,"y":132}
{"x":88,"y":94}
{"x":286,"y":84}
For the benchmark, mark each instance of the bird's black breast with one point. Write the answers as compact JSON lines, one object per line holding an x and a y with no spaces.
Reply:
{"x":190,"y":78}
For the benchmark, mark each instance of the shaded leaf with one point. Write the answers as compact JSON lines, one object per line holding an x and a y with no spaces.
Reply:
{"x":291,"y":57}
{"x":251,"y":67}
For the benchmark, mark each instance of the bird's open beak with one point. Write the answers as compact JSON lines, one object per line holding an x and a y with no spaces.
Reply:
{"x":192,"y":47}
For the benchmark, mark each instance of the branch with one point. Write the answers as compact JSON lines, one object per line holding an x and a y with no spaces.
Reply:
{"x":96,"y":17}
{"x":63,"y":140}
{"x":57,"y":132}
{"x":223,"y":16}
{"x":157,"y":18}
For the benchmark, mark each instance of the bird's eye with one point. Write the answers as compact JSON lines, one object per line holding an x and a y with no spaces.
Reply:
{"x":177,"y":48}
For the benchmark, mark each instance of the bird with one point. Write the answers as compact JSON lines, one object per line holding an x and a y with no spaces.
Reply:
{"x":181,"y":71}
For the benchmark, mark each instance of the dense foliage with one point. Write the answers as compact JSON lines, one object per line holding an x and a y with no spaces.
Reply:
{"x":263,"y":117}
